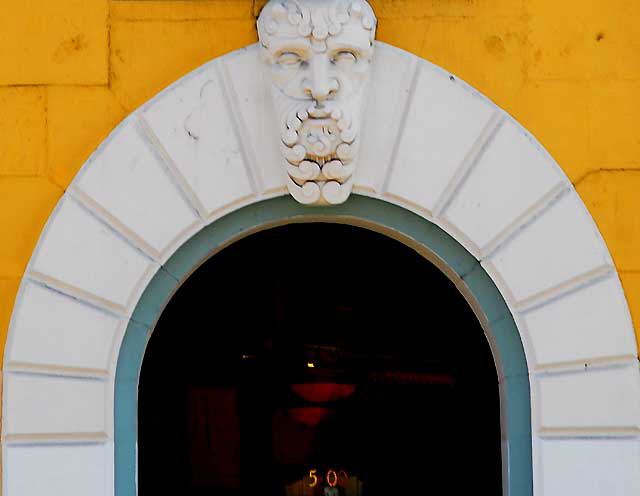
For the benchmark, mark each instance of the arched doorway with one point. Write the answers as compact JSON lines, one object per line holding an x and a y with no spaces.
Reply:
{"x":154,"y":197}
{"x":273,"y":361}
{"x":428,"y":240}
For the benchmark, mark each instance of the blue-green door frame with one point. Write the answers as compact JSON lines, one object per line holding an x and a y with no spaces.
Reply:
{"x":480,"y":291}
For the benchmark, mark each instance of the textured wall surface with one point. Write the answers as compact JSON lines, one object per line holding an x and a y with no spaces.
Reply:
{"x":70,"y":70}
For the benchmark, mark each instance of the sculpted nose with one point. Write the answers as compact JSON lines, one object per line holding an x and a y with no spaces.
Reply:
{"x":319,"y":85}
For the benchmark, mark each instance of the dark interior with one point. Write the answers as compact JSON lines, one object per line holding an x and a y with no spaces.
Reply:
{"x":318,"y":359}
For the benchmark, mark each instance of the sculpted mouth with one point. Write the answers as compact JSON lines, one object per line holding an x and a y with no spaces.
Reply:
{"x":318,"y":134}
{"x":315,"y":112}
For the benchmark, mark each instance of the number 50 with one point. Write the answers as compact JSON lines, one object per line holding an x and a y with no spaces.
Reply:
{"x":332,"y":477}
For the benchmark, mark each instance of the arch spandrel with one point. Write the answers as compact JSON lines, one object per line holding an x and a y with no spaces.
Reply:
{"x":206,"y":147}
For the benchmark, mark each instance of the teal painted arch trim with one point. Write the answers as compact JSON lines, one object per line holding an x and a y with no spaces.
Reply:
{"x":423,"y":236}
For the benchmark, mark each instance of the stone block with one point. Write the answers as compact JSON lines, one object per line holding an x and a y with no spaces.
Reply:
{"x":71,"y":337}
{"x":193,"y":124}
{"x":54,"y":42}
{"x":403,"y":9}
{"x":612,"y":198}
{"x":560,"y":245}
{"x":444,"y":120}
{"x":393,"y":9}
{"x":8,"y":291}
{"x":71,"y":470}
{"x":393,"y":71}
{"x":250,"y":98}
{"x":22,"y":131}
{"x":257,"y":6}
{"x":143,"y":47}
{"x":557,"y":114}
{"x":79,"y":119}
{"x":588,"y":467}
{"x":89,"y":259}
{"x":127,"y":180}
{"x":25,"y":206}
{"x":631,"y":285}
{"x":511,"y":176}
{"x":488,"y":53}
{"x":592,"y":401}
{"x":594,"y":40}
{"x":74,"y":407}
{"x":596,"y":317}
{"x":180,"y":10}
{"x":407,"y":34}
{"x":613,"y":123}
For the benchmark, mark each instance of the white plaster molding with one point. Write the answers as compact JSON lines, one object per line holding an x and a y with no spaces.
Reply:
{"x":318,"y":54}
{"x":591,"y":402}
{"x":589,"y":467}
{"x":49,"y":409}
{"x":599,"y":323}
{"x":84,"y":255}
{"x":207,"y":146}
{"x":118,"y":187}
{"x":80,"y":469}
{"x":72,"y":337}
{"x":195,"y":130}
{"x":446,"y":128}
{"x":394,"y":72}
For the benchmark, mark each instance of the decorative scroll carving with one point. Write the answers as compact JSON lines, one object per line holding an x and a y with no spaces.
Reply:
{"x":319,"y":55}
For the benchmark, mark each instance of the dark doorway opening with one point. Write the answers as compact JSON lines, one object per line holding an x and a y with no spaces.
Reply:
{"x":318,"y":360}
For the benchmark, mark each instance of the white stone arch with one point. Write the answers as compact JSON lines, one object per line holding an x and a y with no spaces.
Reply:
{"x":205,"y":147}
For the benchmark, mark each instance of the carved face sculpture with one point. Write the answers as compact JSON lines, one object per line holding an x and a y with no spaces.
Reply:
{"x":319,"y":55}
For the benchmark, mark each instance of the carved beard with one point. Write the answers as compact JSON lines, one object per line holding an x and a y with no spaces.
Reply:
{"x":319,"y":145}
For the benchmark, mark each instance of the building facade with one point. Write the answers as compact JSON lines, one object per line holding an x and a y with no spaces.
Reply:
{"x":122,"y":238}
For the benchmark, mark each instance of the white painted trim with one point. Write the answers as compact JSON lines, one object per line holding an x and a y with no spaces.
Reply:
{"x":441,"y":153}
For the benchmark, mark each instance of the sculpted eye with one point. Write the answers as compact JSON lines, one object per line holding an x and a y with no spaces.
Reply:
{"x":344,"y":56}
{"x":289,"y":58}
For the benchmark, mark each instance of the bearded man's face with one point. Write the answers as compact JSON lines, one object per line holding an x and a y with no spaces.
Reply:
{"x":319,"y":55}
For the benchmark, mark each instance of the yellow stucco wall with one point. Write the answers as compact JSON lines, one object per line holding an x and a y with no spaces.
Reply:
{"x":70,"y":70}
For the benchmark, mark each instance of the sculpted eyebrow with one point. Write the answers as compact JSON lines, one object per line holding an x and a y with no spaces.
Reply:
{"x":349,"y":47}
